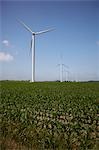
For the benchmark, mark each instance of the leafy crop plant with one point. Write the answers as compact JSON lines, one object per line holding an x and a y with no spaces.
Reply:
{"x":49,"y":115}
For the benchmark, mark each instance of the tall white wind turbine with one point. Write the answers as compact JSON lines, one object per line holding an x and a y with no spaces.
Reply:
{"x":33,"y":45}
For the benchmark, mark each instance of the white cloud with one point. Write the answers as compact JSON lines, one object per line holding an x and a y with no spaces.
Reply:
{"x":5,"y":57}
{"x":6,"y":43}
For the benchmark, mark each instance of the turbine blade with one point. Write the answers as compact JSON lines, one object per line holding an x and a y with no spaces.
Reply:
{"x":65,"y":66}
{"x":44,"y":31}
{"x":26,"y":27}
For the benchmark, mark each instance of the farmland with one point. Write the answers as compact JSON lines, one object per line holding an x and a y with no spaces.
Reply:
{"x":49,"y":115}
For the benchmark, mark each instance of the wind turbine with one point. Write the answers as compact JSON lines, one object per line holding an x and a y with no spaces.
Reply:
{"x":66,"y":75}
{"x":61,"y":71}
{"x":33,"y":45}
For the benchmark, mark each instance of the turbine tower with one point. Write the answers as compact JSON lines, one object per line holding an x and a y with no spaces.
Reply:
{"x":33,"y":45}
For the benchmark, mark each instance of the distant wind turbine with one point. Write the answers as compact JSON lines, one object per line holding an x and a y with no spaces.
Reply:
{"x":33,"y":45}
{"x":66,"y":75}
{"x":61,"y":71}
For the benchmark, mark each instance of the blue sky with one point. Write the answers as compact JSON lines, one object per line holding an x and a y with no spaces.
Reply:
{"x":75,"y":40}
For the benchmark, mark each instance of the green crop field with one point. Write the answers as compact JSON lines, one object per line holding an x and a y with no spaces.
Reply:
{"x":49,"y":115}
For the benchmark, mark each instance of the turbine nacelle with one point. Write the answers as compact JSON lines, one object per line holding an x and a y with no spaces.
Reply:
{"x":34,"y":34}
